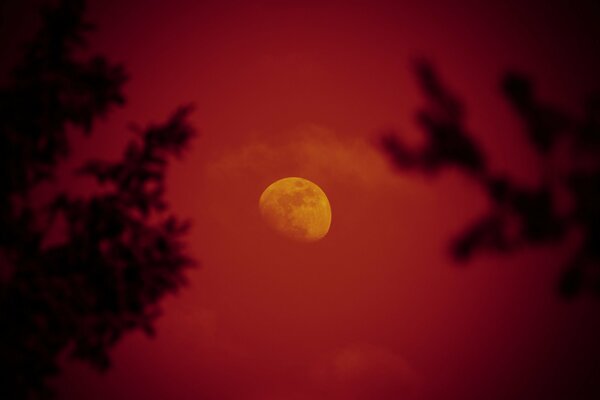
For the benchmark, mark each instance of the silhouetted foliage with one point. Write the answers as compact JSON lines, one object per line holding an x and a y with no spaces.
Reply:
{"x":78,"y":272}
{"x":448,"y":142}
{"x":519,"y":216}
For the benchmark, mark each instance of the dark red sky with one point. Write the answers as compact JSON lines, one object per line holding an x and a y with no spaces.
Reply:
{"x":376,"y":310}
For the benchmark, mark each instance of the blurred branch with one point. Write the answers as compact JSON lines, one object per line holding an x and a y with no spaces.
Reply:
{"x":518,"y":216}
{"x":118,"y":253}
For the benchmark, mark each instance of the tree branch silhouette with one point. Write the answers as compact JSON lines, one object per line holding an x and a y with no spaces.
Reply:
{"x":519,"y":216}
{"x":119,"y":251}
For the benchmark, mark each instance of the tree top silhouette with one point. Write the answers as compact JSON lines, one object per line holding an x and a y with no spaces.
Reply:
{"x":118,"y":252}
{"x":519,"y":216}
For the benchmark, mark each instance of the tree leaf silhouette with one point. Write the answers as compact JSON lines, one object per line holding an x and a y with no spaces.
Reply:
{"x":119,"y":251}
{"x":448,"y":142}
{"x":518,"y":216}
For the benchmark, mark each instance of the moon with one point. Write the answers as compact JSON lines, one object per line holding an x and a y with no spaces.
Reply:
{"x":296,"y":208}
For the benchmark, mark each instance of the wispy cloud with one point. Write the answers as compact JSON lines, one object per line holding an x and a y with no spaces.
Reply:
{"x":312,"y":151}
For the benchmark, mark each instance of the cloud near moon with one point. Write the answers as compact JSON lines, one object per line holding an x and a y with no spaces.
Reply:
{"x":309,"y":151}
{"x":343,"y":165}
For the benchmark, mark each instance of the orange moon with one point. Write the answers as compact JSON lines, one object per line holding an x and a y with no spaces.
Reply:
{"x":296,"y":208}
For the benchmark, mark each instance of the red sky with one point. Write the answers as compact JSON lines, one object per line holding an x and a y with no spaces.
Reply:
{"x":376,"y":310}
